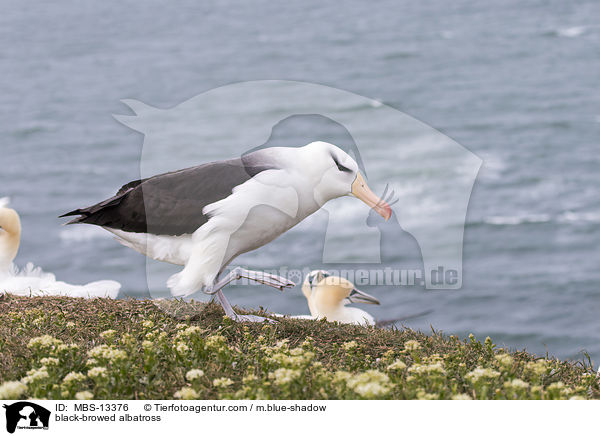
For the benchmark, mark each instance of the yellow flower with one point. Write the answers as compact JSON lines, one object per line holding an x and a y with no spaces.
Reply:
{"x":461,"y":397}
{"x":148,"y":324}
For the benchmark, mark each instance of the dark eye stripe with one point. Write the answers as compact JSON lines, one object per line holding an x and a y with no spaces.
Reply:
{"x":340,"y":166}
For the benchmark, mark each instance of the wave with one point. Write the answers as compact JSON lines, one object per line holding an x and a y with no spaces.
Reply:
{"x":516,"y":220}
{"x":568,"y":32}
{"x":564,"y":217}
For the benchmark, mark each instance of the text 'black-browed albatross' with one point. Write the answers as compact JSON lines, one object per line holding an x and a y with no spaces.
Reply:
{"x":205,"y":216}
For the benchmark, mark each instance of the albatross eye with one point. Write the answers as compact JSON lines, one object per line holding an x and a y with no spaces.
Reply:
{"x":340,"y":166}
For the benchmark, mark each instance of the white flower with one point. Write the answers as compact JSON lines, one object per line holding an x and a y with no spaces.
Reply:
{"x":182,"y":348}
{"x":412,"y":345}
{"x":461,"y":397}
{"x":436,"y":368}
{"x":70,"y":324}
{"x":397,"y":365}
{"x":189,"y":331}
{"x":539,"y":367}
{"x":348,"y":346}
{"x":84,"y":395}
{"x":45,"y":342}
{"x":38,"y":322}
{"x":107,"y":352}
{"x":49,"y":361}
{"x":249,"y":378}
{"x":108,"y":335}
{"x":186,"y":394}
{"x":147,"y":324}
{"x":98,"y":372}
{"x":74,"y":377}
{"x":215,"y":341}
{"x":194,"y":374}
{"x":341,"y":376}
{"x":504,"y":360}
{"x":369,"y":384}
{"x":34,"y":375}
{"x":519,"y":384}
{"x":371,"y":390}
{"x":479,"y":373}
{"x":222,"y":382}
{"x":283,"y":376}
{"x":12,"y":390}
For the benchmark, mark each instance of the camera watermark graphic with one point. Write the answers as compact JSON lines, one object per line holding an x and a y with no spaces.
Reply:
{"x":424,"y":176}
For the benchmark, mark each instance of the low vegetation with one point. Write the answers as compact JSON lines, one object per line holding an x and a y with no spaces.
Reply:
{"x":56,"y":348}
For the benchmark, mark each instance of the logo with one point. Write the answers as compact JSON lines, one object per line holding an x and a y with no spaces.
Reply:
{"x":26,"y":415}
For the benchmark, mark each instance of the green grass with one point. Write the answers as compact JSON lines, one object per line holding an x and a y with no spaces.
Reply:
{"x":141,"y":349}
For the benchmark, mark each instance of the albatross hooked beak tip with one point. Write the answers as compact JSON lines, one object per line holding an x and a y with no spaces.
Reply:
{"x":361,"y":191}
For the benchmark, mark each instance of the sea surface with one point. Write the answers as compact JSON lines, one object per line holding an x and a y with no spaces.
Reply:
{"x":515,"y":83}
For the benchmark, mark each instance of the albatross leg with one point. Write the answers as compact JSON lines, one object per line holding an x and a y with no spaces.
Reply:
{"x":257,"y":276}
{"x":234,"y":316}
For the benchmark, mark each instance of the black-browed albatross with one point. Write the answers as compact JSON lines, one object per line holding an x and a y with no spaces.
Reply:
{"x":205,"y":216}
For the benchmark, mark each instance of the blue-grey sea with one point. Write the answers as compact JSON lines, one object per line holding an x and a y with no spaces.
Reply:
{"x":514,"y":82}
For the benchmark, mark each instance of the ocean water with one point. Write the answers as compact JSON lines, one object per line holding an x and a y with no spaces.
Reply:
{"x":514,"y":83}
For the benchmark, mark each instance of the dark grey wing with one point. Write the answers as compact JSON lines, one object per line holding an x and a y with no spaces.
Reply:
{"x":171,"y":203}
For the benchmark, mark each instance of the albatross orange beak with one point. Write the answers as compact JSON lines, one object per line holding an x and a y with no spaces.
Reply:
{"x":361,"y":191}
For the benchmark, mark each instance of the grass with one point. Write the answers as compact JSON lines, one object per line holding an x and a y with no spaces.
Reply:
{"x":59,"y":347}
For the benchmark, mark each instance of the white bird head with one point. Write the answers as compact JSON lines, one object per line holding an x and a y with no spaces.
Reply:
{"x":309,"y":284}
{"x":10,"y":233}
{"x":338,"y":175}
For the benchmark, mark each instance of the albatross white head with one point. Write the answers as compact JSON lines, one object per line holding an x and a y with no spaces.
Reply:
{"x":336,"y":175}
{"x":329,"y":299}
{"x":10,"y":235}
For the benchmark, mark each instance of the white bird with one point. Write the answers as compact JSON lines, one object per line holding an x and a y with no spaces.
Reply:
{"x":328,"y":296}
{"x":32,"y":281}
{"x":205,"y":216}
{"x":318,"y":310}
